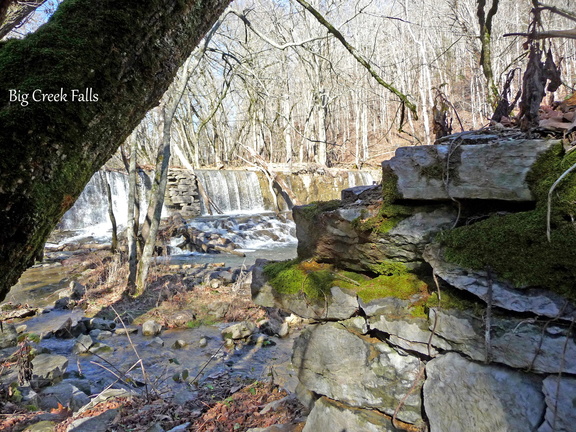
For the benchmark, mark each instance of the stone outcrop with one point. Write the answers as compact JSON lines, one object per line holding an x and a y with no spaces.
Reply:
{"x":467,"y":169}
{"x":479,"y":354}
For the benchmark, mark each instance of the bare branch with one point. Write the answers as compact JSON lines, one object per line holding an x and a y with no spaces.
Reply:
{"x":358,"y":56}
{"x":568,"y":34}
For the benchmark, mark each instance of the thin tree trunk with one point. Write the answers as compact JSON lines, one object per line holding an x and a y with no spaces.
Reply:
{"x":114,"y":246}
{"x":133,"y":220}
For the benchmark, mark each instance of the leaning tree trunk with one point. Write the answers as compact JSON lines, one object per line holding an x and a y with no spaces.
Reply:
{"x":110,"y":62}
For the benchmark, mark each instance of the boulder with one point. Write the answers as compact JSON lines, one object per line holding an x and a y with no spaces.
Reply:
{"x":560,"y":402}
{"x":98,"y":423}
{"x":333,"y":362}
{"x":239,"y":331}
{"x":8,"y":336}
{"x":151,"y":328}
{"x":468,"y":170}
{"x":460,"y":395}
{"x":330,"y":415}
{"x":83,"y":344}
{"x":504,"y":295}
{"x":64,"y":394}
{"x":47,"y":369}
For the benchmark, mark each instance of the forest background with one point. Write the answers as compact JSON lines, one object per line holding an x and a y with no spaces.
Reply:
{"x":270,"y":80}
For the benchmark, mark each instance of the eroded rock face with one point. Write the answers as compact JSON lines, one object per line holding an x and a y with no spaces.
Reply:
{"x":491,"y":171}
{"x":330,"y":415}
{"x":460,"y":395}
{"x":560,"y":412}
{"x":334,"y":362}
{"x":504,"y":295}
{"x":334,"y":237}
{"x":47,"y":369}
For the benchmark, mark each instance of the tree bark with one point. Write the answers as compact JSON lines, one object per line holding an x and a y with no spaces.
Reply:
{"x":126,"y":53}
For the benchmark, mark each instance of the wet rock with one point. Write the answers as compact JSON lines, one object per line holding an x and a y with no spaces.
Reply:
{"x":77,"y":290}
{"x":179,"y":344}
{"x":99,"y":324}
{"x":156,"y":342}
{"x":460,"y":395}
{"x":504,"y":295}
{"x":126,"y":331}
{"x":331,"y":415}
{"x":333,"y":362}
{"x":560,"y":412}
{"x":239,"y":331}
{"x":64,"y":394}
{"x":151,"y":328}
{"x":203,"y":342}
{"x":83,"y":344}
{"x":8,"y":336}
{"x":494,"y":171}
{"x":47,"y":369}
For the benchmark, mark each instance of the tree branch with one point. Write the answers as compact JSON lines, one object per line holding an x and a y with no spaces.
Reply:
{"x":358,"y":56}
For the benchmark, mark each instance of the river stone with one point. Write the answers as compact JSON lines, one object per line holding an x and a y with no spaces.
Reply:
{"x":560,"y":394}
{"x":336,"y":363}
{"x":83,"y":344}
{"x":47,"y":369}
{"x":504,"y":295}
{"x":151,"y":328}
{"x":99,"y":324}
{"x":494,"y":171}
{"x":8,"y":336}
{"x":330,"y":415}
{"x":460,"y":395}
{"x":239,"y":331}
{"x":42,"y":426}
{"x":64,"y":394}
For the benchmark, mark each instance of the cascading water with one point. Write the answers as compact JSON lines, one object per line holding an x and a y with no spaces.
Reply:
{"x":232,"y":191}
{"x":90,"y":212}
{"x":360,"y":178}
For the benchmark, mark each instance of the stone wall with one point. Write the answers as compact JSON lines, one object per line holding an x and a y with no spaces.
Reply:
{"x":473,"y":352}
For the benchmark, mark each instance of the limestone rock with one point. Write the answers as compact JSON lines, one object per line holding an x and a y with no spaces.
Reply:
{"x":42,"y":426}
{"x":47,"y":369}
{"x":514,"y":342}
{"x":330,"y":415}
{"x":151,"y":328}
{"x":239,"y":331}
{"x":504,"y":295}
{"x":83,"y":344}
{"x":8,"y":336}
{"x":333,"y":236}
{"x":560,"y":412}
{"x":463,"y":396}
{"x":492,"y":171}
{"x":333,"y":362}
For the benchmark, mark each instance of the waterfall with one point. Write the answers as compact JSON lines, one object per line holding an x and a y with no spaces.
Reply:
{"x":232,"y":191}
{"x":359,"y":178}
{"x":90,"y":211}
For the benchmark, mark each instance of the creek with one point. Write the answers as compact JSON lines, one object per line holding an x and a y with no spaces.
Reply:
{"x":254,"y":229}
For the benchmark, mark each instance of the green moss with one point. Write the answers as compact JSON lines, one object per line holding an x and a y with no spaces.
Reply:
{"x":514,"y":246}
{"x":389,"y":185}
{"x":310,"y":211}
{"x":389,"y":215}
{"x":292,"y":277}
{"x":402,"y":286}
{"x":389,"y":268}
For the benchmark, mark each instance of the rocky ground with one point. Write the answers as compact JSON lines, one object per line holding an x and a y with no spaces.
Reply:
{"x":178,"y":296}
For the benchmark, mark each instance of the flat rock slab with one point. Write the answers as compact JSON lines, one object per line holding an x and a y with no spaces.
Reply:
{"x":489,"y":171}
{"x":460,"y":395}
{"x":504,"y":295}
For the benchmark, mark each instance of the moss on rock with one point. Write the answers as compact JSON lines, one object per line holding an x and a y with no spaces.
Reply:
{"x":515,"y":246}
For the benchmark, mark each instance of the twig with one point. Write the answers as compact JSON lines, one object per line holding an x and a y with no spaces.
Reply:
{"x":549,"y":209}
{"x":208,"y":362}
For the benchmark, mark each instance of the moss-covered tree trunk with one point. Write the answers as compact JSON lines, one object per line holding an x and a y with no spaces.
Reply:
{"x":126,"y":53}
